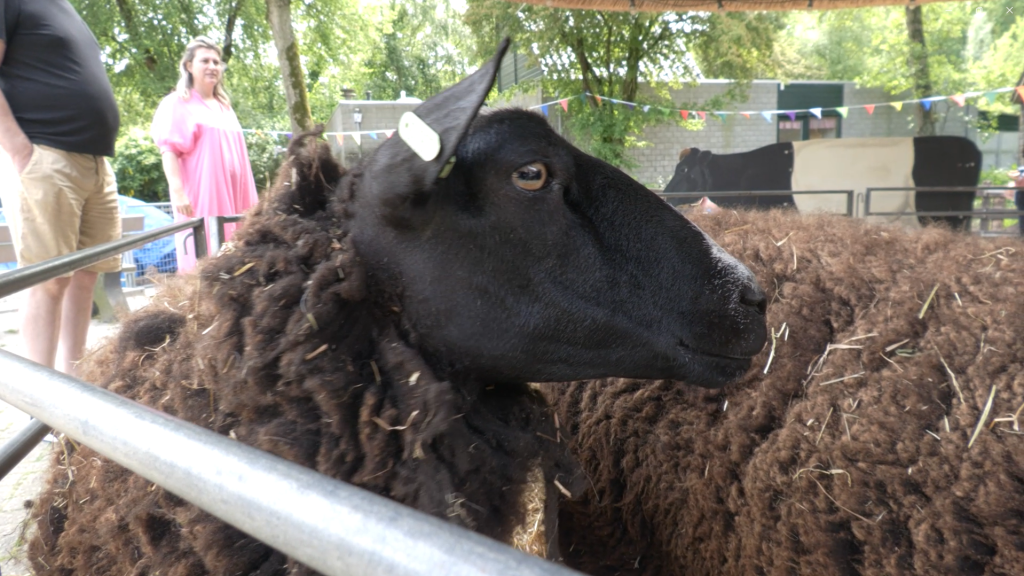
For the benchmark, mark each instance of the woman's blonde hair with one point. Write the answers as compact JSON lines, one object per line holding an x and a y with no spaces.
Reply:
{"x":184,"y":87}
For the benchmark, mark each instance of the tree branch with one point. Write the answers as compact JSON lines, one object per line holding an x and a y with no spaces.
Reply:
{"x":229,"y":30}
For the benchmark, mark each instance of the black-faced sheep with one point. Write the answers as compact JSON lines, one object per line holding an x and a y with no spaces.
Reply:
{"x":880,"y":432}
{"x":380,"y":326}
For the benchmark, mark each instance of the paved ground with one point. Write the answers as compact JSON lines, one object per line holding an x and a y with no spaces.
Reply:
{"x":23,"y":482}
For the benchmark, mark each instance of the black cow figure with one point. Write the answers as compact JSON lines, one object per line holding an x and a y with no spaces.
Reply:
{"x":937,"y":161}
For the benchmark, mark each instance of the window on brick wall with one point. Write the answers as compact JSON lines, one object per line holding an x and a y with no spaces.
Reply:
{"x":807,"y":127}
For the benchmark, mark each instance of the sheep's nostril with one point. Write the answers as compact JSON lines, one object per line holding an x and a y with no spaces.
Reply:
{"x":751,"y":295}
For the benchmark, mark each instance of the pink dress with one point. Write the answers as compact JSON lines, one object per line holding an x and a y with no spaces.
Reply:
{"x":215,"y":170}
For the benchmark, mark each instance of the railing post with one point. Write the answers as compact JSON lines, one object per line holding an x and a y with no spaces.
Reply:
{"x":15,"y":450}
{"x":199,"y":238}
{"x":219,"y":241}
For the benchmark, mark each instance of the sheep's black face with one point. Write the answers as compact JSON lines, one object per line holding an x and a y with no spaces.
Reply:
{"x":532,"y":261}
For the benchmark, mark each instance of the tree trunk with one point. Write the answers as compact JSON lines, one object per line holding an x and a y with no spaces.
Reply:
{"x":918,"y":64}
{"x":229,"y":31}
{"x":279,"y":16}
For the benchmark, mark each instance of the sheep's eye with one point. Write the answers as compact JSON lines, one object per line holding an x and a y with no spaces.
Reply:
{"x":531,"y":177}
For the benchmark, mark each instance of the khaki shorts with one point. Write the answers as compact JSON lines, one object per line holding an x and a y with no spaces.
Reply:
{"x":62,"y":202}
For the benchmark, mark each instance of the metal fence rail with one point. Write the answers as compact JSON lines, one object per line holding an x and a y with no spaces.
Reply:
{"x":333,"y":527}
{"x":854,"y":199}
{"x":850,"y":205}
{"x":22,"y":278}
{"x":984,"y":214}
{"x":15,"y":450}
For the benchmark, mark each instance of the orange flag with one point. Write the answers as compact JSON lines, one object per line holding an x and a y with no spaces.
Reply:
{"x":685,"y":114}
{"x":1020,"y":92}
{"x":565,"y":104}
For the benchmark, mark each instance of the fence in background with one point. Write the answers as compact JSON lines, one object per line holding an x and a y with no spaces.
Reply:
{"x":990,"y":206}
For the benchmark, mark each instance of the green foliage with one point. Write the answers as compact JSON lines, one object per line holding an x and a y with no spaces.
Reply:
{"x":138,"y":168}
{"x":612,"y":53}
{"x":266,"y":154}
{"x":969,"y":46}
{"x":423,"y":47}
{"x":996,"y":176}
{"x":140,"y":173}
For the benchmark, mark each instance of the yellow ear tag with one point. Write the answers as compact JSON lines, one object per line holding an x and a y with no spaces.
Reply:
{"x":420,"y":137}
{"x":447,"y":168}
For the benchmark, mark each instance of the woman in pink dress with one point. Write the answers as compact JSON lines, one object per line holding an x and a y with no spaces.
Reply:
{"x":202,"y":147}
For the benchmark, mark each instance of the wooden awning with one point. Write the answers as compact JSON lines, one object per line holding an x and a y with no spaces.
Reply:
{"x":719,"y":5}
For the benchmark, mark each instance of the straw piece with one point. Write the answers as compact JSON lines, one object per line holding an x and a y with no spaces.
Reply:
{"x":315,"y":353}
{"x":927,"y":302}
{"x":850,"y":377}
{"x":951,"y":375}
{"x":984,"y":416}
{"x":822,"y":431}
{"x":244,"y":268}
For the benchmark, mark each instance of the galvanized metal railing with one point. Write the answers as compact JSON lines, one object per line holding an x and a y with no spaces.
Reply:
{"x":333,"y":527}
{"x":855,"y":200}
{"x":984,"y":214}
{"x":18,"y":447}
{"x":850,"y":205}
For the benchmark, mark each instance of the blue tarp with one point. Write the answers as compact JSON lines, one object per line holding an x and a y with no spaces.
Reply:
{"x":158,"y":254}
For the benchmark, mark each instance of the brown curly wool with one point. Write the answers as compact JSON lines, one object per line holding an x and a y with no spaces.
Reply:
{"x":853,"y":454}
{"x":280,"y":344}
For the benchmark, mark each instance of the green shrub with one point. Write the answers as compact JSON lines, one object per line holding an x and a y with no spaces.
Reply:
{"x":138,"y":169}
{"x":140,"y":173}
{"x":266,"y":153}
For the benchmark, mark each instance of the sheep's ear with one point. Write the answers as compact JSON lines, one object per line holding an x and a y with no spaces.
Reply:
{"x":411,"y":160}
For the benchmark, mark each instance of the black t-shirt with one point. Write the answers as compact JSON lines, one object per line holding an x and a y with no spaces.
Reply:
{"x":53,"y":78}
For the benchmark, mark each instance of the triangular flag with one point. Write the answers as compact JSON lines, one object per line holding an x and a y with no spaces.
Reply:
{"x":721,"y":116}
{"x":565,"y":104}
{"x":356,"y":137}
{"x":991,"y":97}
{"x":897,"y":105}
{"x":1020,"y":92}
{"x":960,"y":99}
{"x":544,"y":109}
{"x":870,"y":108}
{"x":815,"y":111}
{"x":745,"y":114}
{"x":598,"y":100}
{"x":685,"y":114}
{"x":767,"y":116}
{"x":843,"y":111}
{"x":926,"y":104}
{"x":388,"y":133}
{"x":703,"y":115}
{"x":583,"y":97}
{"x":792,"y":116}
{"x":373,"y":135}
{"x":646,"y":108}
{"x":339,"y":138}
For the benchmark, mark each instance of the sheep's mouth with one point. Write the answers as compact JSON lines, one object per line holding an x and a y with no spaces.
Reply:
{"x":689,"y":350}
{"x":709,"y":370}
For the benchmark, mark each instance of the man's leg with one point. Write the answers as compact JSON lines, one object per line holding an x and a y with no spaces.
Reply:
{"x":41,"y":322}
{"x":74,"y":326}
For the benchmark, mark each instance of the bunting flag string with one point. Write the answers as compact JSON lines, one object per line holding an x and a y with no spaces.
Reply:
{"x":844,"y":111}
{"x":959,"y":99}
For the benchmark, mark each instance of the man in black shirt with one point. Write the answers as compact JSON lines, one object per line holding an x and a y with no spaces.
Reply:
{"x":58,"y":121}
